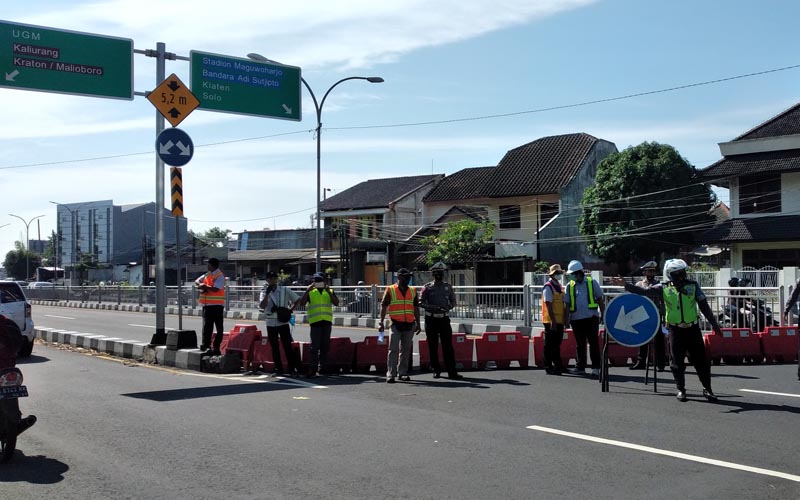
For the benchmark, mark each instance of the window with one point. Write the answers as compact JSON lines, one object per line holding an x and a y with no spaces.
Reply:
{"x":759,"y":194}
{"x":547,"y":211}
{"x":509,"y":217}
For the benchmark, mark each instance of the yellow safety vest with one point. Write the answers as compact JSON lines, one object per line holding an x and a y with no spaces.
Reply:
{"x":680,"y":307}
{"x":558,"y":306}
{"x":319,"y":307}
{"x":212,"y":298}
{"x":589,"y":287}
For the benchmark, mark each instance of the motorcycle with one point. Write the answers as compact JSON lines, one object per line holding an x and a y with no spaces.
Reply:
{"x":743,"y":311}
{"x":11,"y":389}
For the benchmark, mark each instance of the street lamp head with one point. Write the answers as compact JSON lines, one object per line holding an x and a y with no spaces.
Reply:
{"x":257,"y":57}
{"x":374,"y":79}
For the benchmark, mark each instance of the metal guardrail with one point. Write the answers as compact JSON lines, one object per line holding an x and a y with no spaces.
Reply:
{"x":752,"y":307}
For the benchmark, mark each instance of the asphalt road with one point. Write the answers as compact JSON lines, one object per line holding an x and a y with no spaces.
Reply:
{"x":110,"y":429}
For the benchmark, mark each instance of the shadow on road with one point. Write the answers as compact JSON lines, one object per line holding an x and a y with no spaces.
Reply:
{"x":32,"y":359}
{"x":736,"y":405}
{"x":35,"y":469}
{"x":217,"y":391}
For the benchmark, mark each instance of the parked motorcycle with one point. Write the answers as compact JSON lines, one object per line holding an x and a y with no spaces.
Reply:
{"x":11,"y":389}
{"x":743,"y":311}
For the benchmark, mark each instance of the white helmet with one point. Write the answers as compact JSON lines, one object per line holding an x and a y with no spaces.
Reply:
{"x":673,"y":265}
{"x":574,"y":266}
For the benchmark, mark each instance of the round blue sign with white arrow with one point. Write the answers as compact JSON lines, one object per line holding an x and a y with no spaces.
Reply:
{"x":632,"y":320}
{"x":174,"y":147}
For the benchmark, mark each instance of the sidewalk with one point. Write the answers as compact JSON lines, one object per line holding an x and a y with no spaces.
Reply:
{"x":189,"y":359}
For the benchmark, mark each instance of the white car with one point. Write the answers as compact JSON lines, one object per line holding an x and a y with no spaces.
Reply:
{"x":15,"y":306}
{"x":40,"y":284}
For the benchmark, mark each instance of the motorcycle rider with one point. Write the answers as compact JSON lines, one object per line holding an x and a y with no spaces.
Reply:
{"x":10,"y":342}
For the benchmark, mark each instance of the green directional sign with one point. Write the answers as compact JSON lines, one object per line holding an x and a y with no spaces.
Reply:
{"x":238,"y":85}
{"x":67,"y":62}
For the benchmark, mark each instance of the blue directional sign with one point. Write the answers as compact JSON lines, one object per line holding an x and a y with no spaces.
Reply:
{"x":174,"y":147}
{"x":632,"y":320}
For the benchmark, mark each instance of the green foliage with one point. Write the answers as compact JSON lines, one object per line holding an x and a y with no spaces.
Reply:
{"x":214,"y":237}
{"x":49,"y":254}
{"x":88,"y":261}
{"x":18,"y":260}
{"x":541,"y":267}
{"x":634,"y":210}
{"x":459,"y":243}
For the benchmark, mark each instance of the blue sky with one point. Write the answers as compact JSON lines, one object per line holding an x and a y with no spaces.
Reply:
{"x":441,"y":60}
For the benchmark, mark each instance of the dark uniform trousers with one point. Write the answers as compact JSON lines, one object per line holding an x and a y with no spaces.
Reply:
{"x":586,"y":330}
{"x":552,"y":346}
{"x":285,"y":334}
{"x":683,"y":341}
{"x":437,"y":329}
{"x":212,"y":317}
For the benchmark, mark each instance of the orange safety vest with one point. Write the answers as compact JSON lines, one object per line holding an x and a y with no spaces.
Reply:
{"x":210,"y":298}
{"x":401,"y":308}
{"x":558,"y":306}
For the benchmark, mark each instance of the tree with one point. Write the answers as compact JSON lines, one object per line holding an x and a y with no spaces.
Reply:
{"x":214,"y":237}
{"x":49,"y":254}
{"x":16,"y":261}
{"x":644,"y":202}
{"x":459,"y":243}
{"x":87,"y":261}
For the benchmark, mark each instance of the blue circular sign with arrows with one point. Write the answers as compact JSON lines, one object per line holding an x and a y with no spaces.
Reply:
{"x":174,"y":147}
{"x":632,"y":320}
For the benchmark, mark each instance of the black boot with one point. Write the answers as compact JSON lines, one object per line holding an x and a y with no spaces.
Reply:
{"x":681,"y":396}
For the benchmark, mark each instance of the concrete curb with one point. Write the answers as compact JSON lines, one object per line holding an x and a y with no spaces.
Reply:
{"x":186,"y":359}
{"x":300,"y":318}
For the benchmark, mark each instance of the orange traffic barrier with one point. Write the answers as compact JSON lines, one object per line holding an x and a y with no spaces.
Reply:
{"x":568,"y":348}
{"x":371,"y":353}
{"x":618,"y":354}
{"x":242,"y":338}
{"x":264,"y":359}
{"x":502,"y":348}
{"x":734,"y":346}
{"x":779,"y":344}
{"x":462,"y":348}
{"x":340,"y":355}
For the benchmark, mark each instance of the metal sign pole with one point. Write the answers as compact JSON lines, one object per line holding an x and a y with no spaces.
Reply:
{"x":178,"y":270}
{"x":160,"y":337}
{"x":604,"y":368}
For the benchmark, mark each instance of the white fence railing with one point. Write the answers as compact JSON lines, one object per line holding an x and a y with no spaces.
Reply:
{"x":753,"y":307}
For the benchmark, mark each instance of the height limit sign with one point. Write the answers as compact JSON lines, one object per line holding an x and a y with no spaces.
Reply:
{"x":173,"y":100}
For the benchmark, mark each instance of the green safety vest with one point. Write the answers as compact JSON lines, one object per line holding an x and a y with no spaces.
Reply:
{"x":319,"y":307}
{"x":680,"y":307}
{"x":589,"y":287}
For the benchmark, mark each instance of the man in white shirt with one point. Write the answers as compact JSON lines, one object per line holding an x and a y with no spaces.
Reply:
{"x":278,"y":302}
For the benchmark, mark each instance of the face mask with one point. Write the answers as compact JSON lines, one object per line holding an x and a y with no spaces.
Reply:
{"x":319,"y":284}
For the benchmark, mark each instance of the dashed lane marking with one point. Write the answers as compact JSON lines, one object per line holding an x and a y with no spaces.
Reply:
{"x":59,"y":317}
{"x":786,"y":394}
{"x":673,"y":454}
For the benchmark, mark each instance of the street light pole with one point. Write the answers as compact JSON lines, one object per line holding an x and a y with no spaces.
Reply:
{"x":27,"y":243}
{"x":318,"y":108}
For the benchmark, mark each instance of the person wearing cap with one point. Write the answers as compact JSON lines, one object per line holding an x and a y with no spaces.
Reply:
{"x":212,"y":297}
{"x":584,"y":302}
{"x":320,"y":299}
{"x":553,"y":317}
{"x":402,"y":304}
{"x":274,"y":297}
{"x":437,"y":299}
{"x":650,"y":270}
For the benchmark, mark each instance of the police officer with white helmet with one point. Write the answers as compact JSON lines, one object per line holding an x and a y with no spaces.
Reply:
{"x":682,"y":297}
{"x":584,"y":303}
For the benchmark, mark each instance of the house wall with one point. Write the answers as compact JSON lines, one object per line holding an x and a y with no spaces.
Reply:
{"x":790,"y":201}
{"x":737,"y":260}
{"x":528,"y":215}
{"x":561,"y":240}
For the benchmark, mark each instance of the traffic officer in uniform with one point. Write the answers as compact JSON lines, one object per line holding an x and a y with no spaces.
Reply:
{"x":585,"y":304}
{"x":682,"y":297}
{"x":437,"y":299}
{"x":402,"y":303}
{"x":789,"y":307}
{"x":650,"y":269}
{"x":553,"y":316}
{"x":212,"y":297}
{"x":321,"y":299}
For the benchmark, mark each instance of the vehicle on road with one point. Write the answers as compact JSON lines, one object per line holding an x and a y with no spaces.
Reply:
{"x":11,"y":389}
{"x":40,"y":284}
{"x":15,"y":306}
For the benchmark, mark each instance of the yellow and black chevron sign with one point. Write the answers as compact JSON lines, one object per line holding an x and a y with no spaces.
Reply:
{"x":176,"y":181}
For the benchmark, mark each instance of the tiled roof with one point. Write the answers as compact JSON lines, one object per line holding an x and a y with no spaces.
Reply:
{"x":465,"y":184}
{"x":376,"y":193}
{"x":773,"y":161}
{"x":543,"y":166}
{"x":786,"y":123}
{"x":769,"y":228}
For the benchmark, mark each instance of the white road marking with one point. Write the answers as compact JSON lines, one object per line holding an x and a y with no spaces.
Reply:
{"x":772,"y":393}
{"x":59,"y":317}
{"x":657,"y":451}
{"x":147,"y":326}
{"x":257,"y":379}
